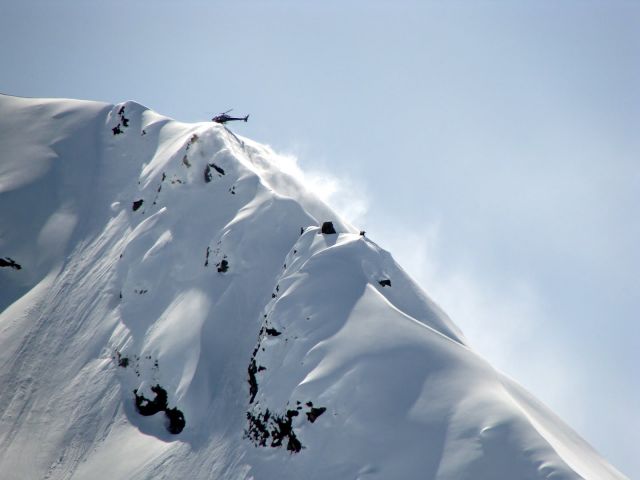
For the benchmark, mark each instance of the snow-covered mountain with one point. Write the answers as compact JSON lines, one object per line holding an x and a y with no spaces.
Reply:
{"x":175,"y":305}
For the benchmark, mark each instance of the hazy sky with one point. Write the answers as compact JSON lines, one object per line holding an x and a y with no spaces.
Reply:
{"x":493,"y":147}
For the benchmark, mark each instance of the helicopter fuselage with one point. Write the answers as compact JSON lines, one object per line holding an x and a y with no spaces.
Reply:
{"x":228,"y":118}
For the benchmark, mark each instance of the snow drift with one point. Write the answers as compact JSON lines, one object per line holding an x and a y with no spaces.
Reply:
{"x":174,"y":305}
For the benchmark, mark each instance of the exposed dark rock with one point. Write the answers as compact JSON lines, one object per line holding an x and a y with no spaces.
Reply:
{"x":253,"y":383}
{"x":362,"y":233}
{"x":121,"y":359}
{"x":206,"y":258}
{"x":148,"y":407}
{"x":284,"y":429}
{"x":176,"y":420}
{"x":217,"y":168}
{"x":258,"y":431}
{"x":272,"y":332}
{"x":116,"y":130}
{"x":124,"y":120}
{"x":10,"y":262}
{"x":223,"y":266}
{"x":207,"y":174}
{"x":137,"y":204}
{"x":263,"y":426}
{"x":327,"y":228}
{"x":144,"y":132}
{"x":314,"y":413}
{"x":385,"y":283}
{"x":186,"y":162}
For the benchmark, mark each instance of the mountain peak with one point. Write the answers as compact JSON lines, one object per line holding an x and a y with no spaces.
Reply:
{"x":186,"y":308}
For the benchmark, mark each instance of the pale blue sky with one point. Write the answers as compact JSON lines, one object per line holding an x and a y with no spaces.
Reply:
{"x":493,"y":147}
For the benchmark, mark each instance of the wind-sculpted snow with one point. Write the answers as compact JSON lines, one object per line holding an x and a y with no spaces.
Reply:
{"x":175,"y":305}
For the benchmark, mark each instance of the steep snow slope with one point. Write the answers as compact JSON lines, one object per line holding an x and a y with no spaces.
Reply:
{"x":172,"y":309}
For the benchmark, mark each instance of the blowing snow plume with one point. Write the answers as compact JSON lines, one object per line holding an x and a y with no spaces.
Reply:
{"x":184,"y":309}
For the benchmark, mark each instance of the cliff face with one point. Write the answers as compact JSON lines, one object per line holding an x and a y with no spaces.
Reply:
{"x":175,"y":305}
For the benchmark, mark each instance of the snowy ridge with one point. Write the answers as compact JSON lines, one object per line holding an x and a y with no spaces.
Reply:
{"x":179,"y":313}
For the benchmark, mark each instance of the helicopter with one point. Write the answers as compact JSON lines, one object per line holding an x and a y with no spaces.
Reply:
{"x":224,"y":118}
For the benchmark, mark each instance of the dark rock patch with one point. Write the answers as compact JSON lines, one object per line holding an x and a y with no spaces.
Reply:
{"x":159,"y":189}
{"x":284,"y":429}
{"x":192,"y":140}
{"x":272,"y":332}
{"x":176,"y":420}
{"x":216,"y":168}
{"x":10,"y":262}
{"x":208,"y":175}
{"x":186,"y":162}
{"x":206,"y":258}
{"x":279,"y":428}
{"x":258,"y":430}
{"x":362,"y":233}
{"x":120,"y":359}
{"x":123,"y":119}
{"x":253,"y":382}
{"x":327,"y":228}
{"x":314,"y":413}
{"x":385,"y":283}
{"x":223,"y":266}
{"x":267,"y":428}
{"x":147,"y":407}
{"x":137,"y":204}
{"x":124,"y":122}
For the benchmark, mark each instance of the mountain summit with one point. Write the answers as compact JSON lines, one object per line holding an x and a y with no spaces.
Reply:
{"x":175,"y":305}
